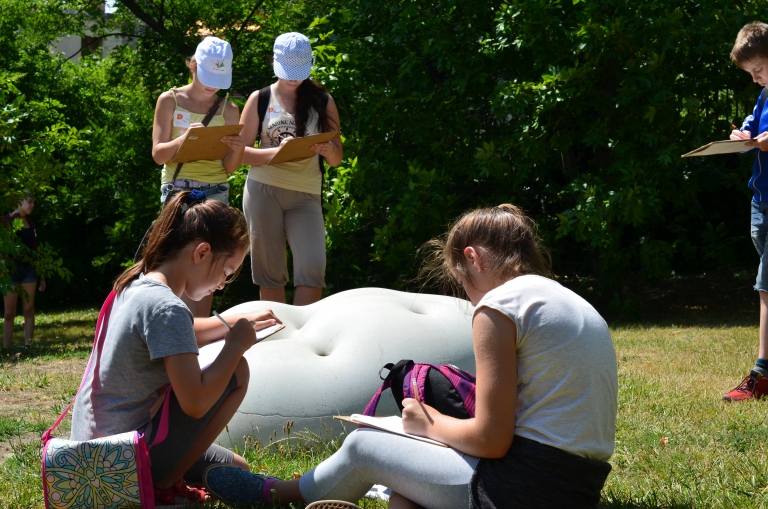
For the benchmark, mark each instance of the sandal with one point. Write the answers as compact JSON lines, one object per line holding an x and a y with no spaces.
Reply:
{"x":181,"y":493}
{"x":332,"y":504}
{"x":233,"y":485}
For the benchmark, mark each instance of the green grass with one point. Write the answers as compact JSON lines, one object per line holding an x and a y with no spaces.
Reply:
{"x":677,"y":445}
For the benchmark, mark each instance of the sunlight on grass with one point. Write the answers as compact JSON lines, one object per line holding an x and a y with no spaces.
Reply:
{"x":677,"y":445}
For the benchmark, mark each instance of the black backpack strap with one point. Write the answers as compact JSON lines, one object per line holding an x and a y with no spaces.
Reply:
{"x":321,"y":159}
{"x":264,"y":96}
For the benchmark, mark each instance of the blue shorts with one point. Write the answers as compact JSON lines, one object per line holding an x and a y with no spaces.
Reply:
{"x":25,"y":273}
{"x":218,"y":192}
{"x":759,"y":234}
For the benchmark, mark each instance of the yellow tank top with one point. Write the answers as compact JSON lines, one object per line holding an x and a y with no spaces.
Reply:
{"x":203,"y":171}
{"x":303,"y":175}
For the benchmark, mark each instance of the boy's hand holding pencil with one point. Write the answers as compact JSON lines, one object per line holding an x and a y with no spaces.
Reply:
{"x":738,"y":134}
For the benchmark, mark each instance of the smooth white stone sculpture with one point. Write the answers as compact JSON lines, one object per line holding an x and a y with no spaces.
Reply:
{"x":326,"y":361}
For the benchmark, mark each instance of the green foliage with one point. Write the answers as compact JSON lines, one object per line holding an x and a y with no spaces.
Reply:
{"x":576,"y":111}
{"x":27,"y":163}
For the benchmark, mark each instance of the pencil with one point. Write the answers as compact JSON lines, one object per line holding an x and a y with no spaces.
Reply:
{"x":222,"y":320}
{"x":415,"y":386}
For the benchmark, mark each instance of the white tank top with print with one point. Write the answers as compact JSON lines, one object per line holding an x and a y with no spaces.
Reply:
{"x":302,"y":175}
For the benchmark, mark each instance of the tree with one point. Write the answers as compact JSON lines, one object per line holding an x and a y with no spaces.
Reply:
{"x":577,"y":111}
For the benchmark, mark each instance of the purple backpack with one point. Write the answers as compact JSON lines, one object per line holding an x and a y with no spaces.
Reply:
{"x":446,"y":388}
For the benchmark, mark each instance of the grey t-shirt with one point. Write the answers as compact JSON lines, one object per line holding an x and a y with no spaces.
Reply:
{"x":567,"y":381}
{"x":123,"y":389}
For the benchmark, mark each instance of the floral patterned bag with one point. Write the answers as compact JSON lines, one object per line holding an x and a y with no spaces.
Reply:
{"x":110,"y":472}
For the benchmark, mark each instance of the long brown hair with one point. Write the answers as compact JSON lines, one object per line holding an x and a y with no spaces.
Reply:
{"x":311,"y":95}
{"x":182,"y":222}
{"x":505,"y":233}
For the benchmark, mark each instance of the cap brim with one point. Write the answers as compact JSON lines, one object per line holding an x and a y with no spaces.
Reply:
{"x":292,"y":72}
{"x":212,"y":80}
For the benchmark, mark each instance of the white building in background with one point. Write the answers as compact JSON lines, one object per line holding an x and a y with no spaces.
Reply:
{"x":74,"y":46}
{"x":71,"y":46}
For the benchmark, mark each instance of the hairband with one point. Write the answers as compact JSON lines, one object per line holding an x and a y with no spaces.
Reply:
{"x":193,"y":198}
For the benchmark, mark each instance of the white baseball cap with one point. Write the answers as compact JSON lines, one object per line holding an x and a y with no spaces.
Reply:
{"x":214,"y":62}
{"x":293,"y":56}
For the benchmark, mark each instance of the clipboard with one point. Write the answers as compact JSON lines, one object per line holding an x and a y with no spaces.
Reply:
{"x":720,"y":147}
{"x":392,"y":424}
{"x":298,"y":148}
{"x":209,"y":352}
{"x":204,"y":143}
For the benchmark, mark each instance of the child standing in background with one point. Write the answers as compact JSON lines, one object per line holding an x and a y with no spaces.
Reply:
{"x":750,"y":52}
{"x":181,"y":108}
{"x":25,"y":277}
{"x":283,"y":201}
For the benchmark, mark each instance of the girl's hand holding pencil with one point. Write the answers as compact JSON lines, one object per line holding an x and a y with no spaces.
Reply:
{"x":242,"y":335}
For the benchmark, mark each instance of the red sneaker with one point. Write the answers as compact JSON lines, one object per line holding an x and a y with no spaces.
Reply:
{"x":754,"y":386}
{"x":181,"y":493}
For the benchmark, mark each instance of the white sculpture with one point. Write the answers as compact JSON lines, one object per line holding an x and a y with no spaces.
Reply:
{"x":327,"y":359}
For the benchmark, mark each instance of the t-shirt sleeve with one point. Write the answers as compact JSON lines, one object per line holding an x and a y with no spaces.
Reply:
{"x":505,"y":305}
{"x":170,"y":332}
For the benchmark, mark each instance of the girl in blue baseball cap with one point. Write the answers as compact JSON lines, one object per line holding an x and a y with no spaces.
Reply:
{"x":283,"y":201}
{"x":180,"y":109}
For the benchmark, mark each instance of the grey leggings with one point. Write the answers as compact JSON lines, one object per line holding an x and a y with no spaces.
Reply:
{"x":432,"y":476}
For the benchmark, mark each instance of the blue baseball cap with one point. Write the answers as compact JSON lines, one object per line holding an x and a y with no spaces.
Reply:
{"x":293,"y":56}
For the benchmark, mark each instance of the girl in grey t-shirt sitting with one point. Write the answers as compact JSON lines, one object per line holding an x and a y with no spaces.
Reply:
{"x":152,"y":340}
{"x":546,"y":396}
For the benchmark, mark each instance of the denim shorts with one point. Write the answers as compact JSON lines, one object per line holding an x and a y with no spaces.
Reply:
{"x":759,"y":233}
{"x":25,"y":273}
{"x":218,"y":192}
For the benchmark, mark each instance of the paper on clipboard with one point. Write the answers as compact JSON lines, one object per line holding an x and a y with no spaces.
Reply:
{"x":298,"y":148}
{"x":204,"y":143}
{"x":209,"y":352}
{"x":720,"y":147}
{"x":392,"y":424}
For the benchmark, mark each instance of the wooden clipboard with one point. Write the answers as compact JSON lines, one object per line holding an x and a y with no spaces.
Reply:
{"x":720,"y":147}
{"x":298,"y":148}
{"x":204,"y":143}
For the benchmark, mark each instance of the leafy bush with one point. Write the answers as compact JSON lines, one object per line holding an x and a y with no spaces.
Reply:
{"x":577,"y":111}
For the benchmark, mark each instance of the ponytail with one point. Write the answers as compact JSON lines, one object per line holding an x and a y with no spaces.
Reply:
{"x":505,"y":233}
{"x":188,"y":218}
{"x":311,"y":95}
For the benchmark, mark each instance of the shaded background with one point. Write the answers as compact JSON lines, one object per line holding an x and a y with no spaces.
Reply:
{"x":576,"y":111}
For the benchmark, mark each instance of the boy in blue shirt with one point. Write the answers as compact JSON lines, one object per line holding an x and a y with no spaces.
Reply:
{"x":750,"y":52}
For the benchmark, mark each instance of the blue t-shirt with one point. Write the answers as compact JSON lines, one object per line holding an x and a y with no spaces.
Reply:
{"x":757,"y":123}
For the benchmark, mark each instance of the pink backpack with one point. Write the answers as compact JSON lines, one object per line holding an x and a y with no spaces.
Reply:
{"x":446,"y":388}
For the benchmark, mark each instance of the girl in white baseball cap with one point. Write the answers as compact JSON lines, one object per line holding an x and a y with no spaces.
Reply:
{"x":184,"y":107}
{"x":283,"y":201}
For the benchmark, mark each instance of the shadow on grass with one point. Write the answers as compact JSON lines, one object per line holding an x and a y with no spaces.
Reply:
{"x":715,"y":300}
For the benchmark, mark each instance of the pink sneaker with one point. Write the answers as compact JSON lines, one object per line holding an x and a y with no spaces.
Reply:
{"x":754,"y":386}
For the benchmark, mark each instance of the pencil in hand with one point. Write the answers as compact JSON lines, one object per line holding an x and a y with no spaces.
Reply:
{"x":222,"y":320}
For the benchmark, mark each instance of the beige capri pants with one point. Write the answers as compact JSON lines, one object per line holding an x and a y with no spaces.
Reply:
{"x":275,"y":214}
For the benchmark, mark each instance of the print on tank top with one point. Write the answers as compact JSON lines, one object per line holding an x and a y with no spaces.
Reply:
{"x":280,"y":129}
